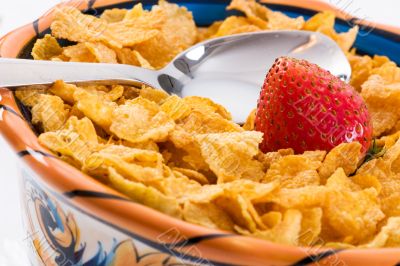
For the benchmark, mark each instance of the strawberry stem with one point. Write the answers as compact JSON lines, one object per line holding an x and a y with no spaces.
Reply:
{"x":374,"y":152}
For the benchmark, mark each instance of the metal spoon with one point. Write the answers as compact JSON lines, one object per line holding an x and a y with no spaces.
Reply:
{"x":230,"y":70}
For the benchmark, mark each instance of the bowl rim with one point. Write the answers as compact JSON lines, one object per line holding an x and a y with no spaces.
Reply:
{"x":98,"y":200}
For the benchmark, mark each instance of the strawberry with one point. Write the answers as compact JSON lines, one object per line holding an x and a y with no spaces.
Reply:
{"x":304,"y":107}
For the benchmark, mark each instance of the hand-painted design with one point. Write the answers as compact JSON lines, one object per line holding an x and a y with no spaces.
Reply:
{"x":60,"y":231}
{"x":30,"y":151}
{"x":311,"y":259}
{"x":61,"y":242}
{"x":92,"y":194}
{"x":126,"y":253}
{"x":9,"y":109}
{"x":35,"y":25}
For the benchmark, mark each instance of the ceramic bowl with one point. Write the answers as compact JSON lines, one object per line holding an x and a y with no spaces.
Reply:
{"x":72,"y":219}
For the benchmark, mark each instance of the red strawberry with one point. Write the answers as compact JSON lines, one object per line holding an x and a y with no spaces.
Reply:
{"x":304,"y":107}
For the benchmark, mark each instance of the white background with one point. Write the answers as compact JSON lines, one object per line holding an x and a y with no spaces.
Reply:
{"x":15,"y":13}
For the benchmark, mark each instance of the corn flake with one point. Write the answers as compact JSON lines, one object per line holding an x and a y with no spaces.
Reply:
{"x":285,"y":232}
{"x":207,"y":106}
{"x":238,"y":210}
{"x":79,"y":53}
{"x":382,"y":102}
{"x":64,"y":91}
{"x":230,"y":155}
{"x":249,"y":124}
{"x":255,"y":12}
{"x":102,"y":53}
{"x":388,"y":235}
{"x":191,"y":174}
{"x":145,"y":195}
{"x":176,"y":107}
{"x":207,"y":214}
{"x":345,"y":155}
{"x":324,"y":23}
{"x":49,"y":112}
{"x":46,"y":48}
{"x":95,"y":106}
{"x":157,"y":96}
{"x":311,"y":225}
{"x":234,"y":25}
{"x":361,"y":207}
{"x":177,"y":33}
{"x":113,"y":15}
{"x":29,"y":96}
{"x":141,"y":120}
{"x":206,"y":33}
{"x":293,"y":171}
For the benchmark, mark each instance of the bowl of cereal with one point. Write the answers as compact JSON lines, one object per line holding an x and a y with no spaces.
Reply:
{"x":122,"y":175}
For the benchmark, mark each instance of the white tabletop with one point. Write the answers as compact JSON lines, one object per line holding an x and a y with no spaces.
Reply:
{"x":12,"y":16}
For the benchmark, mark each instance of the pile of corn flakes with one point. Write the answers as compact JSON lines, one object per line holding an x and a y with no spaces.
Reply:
{"x":186,"y":158}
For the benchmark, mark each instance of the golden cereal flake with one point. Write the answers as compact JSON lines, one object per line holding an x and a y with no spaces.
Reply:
{"x":382,"y":101}
{"x":286,"y":231}
{"x":270,"y":157}
{"x":208,"y":215}
{"x":67,"y":143}
{"x":64,"y":91}
{"x":231,"y":155}
{"x":95,"y":106}
{"x":140,"y":120}
{"x":384,"y":169}
{"x":251,"y":190}
{"x":176,"y":34}
{"x":388,"y":235}
{"x":207,"y":105}
{"x":129,"y":56}
{"x":296,"y":198}
{"x":83,"y":127}
{"x":237,"y":208}
{"x":293,"y":171}
{"x":206,"y":33}
{"x":29,"y":96}
{"x":249,"y":124}
{"x":46,"y":48}
{"x":345,"y":155}
{"x":145,"y":195}
{"x":79,"y":53}
{"x":234,"y":25}
{"x":311,"y":224}
{"x":352,"y":214}
{"x":101,"y":52}
{"x":154,"y":95}
{"x":324,"y":23}
{"x":361,"y":67}
{"x":72,"y":25}
{"x":192,"y":174}
{"x":200,"y":122}
{"x":255,"y":12}
{"x":279,"y":21}
{"x":113,"y":15}
{"x":389,"y":71}
{"x":176,"y":107}
{"x":325,"y":19}
{"x":49,"y":112}
{"x":134,"y":164}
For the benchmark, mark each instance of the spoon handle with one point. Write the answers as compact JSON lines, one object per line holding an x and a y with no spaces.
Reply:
{"x":22,"y":72}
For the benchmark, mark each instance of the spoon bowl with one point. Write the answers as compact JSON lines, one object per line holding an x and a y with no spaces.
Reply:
{"x":230,"y":70}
